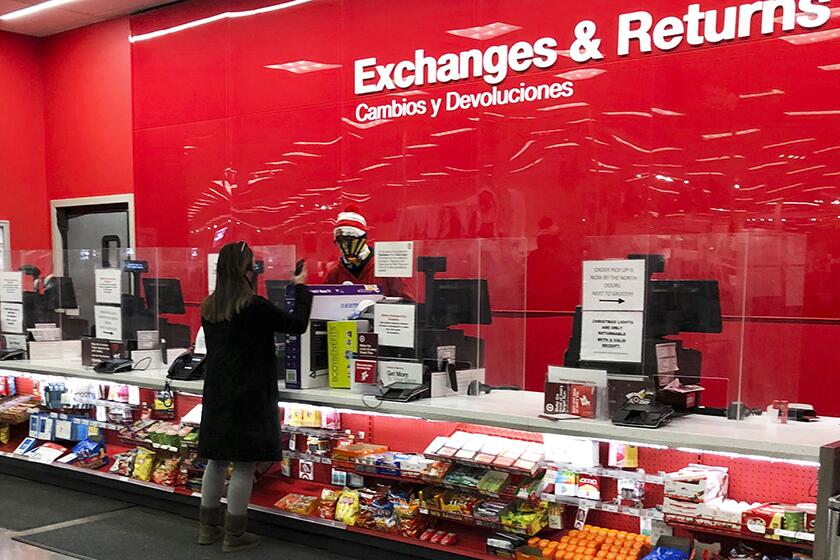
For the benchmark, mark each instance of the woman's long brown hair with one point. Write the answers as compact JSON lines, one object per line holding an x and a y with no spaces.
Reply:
{"x":233,"y":289}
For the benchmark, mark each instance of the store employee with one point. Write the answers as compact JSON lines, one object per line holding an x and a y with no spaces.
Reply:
{"x":356,"y":265}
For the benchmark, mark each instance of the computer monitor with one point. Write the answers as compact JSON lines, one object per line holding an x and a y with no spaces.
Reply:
{"x":164,"y":295}
{"x":60,"y":293}
{"x":275,"y":292}
{"x":683,"y":306}
{"x":459,"y":302}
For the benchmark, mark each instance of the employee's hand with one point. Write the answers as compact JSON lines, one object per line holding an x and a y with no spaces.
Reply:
{"x":301,"y":278}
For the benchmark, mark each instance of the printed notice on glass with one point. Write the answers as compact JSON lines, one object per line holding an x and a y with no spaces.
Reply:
{"x":108,"y":322}
{"x":400,"y":372}
{"x":212,"y":261}
{"x":395,"y":324}
{"x":15,"y":341}
{"x":608,"y":336}
{"x":11,"y":317}
{"x":109,"y":285}
{"x":613,"y":285}
{"x":11,"y":286}
{"x":394,"y":259}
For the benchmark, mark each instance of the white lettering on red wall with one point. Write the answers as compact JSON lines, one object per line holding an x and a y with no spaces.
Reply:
{"x":638,"y":32}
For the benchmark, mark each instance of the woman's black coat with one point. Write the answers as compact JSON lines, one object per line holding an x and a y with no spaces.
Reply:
{"x":239,"y":418}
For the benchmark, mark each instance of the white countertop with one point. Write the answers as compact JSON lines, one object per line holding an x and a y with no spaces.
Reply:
{"x":520,"y":410}
{"x":147,"y":379}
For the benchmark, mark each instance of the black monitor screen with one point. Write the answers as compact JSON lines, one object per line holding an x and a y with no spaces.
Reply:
{"x":60,"y":294}
{"x":275,"y":292}
{"x":684,"y":306}
{"x":459,"y":302}
{"x":164,"y":295}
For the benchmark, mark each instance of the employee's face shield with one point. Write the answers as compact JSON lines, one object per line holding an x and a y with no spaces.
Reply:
{"x":351,"y":247}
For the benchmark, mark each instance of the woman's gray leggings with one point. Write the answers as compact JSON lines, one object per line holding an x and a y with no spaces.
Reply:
{"x":239,"y":490}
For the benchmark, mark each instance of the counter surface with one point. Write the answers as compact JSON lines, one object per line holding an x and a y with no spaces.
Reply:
{"x":520,"y":410}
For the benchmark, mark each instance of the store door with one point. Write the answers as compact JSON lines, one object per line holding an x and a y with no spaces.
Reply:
{"x":103,"y":228}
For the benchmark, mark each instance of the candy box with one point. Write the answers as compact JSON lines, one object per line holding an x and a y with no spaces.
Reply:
{"x":698,"y":483}
{"x":589,"y":487}
{"x":764,"y":519}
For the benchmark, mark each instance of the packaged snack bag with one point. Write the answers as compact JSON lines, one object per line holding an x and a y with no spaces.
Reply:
{"x":90,"y":454}
{"x":144,"y":464}
{"x":329,"y":501}
{"x":123,"y":463}
{"x":166,"y":472}
{"x":347,"y":509}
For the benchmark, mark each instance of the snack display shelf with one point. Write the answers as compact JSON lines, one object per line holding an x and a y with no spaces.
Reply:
{"x":691,"y":528}
{"x":102,"y":425}
{"x":287,"y":454}
{"x":520,"y":410}
{"x":469,"y":549}
{"x":604,"y":472}
{"x":608,"y":507}
{"x":317,"y":432}
{"x":94,"y":472}
{"x":308,"y":518}
{"x":397,"y":478}
{"x":105,"y":403}
{"x":474,"y":521}
{"x":468,"y":463}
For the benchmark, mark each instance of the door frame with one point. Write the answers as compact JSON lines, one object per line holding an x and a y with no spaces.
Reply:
{"x":5,"y":232}
{"x":57,"y":246}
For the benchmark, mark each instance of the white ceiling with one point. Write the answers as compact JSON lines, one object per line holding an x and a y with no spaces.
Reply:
{"x":68,"y":16}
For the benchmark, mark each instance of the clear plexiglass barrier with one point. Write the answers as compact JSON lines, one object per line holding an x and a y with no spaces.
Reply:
{"x":468,"y":304}
{"x":668,"y":309}
{"x":743,"y":316}
{"x":145,"y":299}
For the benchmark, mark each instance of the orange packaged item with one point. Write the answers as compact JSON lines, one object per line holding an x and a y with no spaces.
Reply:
{"x":355,"y":450}
{"x":529,"y":553}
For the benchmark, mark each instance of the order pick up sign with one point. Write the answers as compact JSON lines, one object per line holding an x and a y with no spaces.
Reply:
{"x":613,"y":310}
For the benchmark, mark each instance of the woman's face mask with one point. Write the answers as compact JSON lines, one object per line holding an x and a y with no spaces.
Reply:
{"x":353,"y":249}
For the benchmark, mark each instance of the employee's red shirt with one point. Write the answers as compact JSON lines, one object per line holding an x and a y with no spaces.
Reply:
{"x":337,"y":273}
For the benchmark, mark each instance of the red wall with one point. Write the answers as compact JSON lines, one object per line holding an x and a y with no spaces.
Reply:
{"x":710,"y":154}
{"x":23,"y":193}
{"x":87,"y":93}
{"x":66,"y":123}
{"x":648,"y":158}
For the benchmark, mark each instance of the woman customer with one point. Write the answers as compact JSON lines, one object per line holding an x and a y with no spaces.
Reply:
{"x":239,"y":420}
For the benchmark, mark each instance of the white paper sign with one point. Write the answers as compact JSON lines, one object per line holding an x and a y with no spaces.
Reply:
{"x":212,"y":261}
{"x":400,"y":372}
{"x":609,"y":336}
{"x":16,"y":341}
{"x":11,"y":286}
{"x":614,"y":285}
{"x":11,"y":317}
{"x":394,"y":259}
{"x":108,"y":322}
{"x":395,"y":324}
{"x":109,"y":285}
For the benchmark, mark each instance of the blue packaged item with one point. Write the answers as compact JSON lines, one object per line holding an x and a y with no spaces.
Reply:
{"x":663,"y":553}
{"x":90,"y":454}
